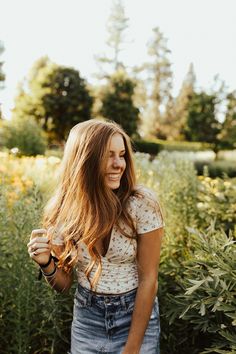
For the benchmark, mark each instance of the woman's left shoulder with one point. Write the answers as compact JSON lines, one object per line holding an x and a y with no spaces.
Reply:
{"x":148,"y":212}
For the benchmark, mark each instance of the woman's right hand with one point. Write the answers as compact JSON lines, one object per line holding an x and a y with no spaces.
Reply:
{"x":39,"y":248}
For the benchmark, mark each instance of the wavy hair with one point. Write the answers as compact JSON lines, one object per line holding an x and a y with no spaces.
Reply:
{"x":83,"y":208}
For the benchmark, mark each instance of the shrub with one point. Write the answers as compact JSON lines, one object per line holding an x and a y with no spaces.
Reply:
{"x":24,"y":134}
{"x":217,"y":201}
{"x":217,"y":168}
{"x":176,"y":184}
{"x":204,"y":294}
{"x":34,"y":318}
{"x":146,"y":147}
{"x":154,"y":146}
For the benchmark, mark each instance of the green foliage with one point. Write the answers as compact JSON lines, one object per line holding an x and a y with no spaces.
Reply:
{"x":182,"y":102}
{"x":228,"y":133}
{"x":58,"y":98}
{"x":117,"y":102}
{"x":201,"y":121}
{"x":34,"y":319}
{"x":176,"y":184}
{"x":158,"y":76}
{"x":154,"y":146}
{"x":196,"y":276}
{"x":217,"y":201}
{"x":24,"y":134}
{"x":146,"y":146}
{"x":218,"y":168}
{"x":206,"y":297}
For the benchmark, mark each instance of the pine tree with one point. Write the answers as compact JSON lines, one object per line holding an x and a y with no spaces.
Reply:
{"x":2,"y":75}
{"x":159,"y":85}
{"x":228,"y":133}
{"x":182,"y":101}
{"x":116,"y":28}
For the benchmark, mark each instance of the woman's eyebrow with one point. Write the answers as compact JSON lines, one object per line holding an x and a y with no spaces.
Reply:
{"x":114,"y":151}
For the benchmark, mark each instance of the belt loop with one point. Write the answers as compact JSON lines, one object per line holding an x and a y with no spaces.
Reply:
{"x":89,"y":298}
{"x":123,"y":302}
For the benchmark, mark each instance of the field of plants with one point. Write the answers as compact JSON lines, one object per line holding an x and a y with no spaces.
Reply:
{"x":197,"y":279}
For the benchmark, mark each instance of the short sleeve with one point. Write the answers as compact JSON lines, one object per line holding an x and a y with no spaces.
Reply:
{"x":148,"y":213}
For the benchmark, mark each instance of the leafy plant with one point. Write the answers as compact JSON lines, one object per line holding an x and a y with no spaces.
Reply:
{"x":205,"y":291}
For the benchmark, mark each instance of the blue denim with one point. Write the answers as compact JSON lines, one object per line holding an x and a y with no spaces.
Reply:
{"x":101,"y":323}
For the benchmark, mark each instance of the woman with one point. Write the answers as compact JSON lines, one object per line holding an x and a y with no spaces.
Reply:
{"x":107,"y":228}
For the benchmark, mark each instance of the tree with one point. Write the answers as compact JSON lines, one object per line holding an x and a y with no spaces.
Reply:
{"x":159,"y":85}
{"x":202,"y":124}
{"x":182,"y":101}
{"x":117,"y":102}
{"x":116,"y":27}
{"x":25,"y":134}
{"x":228,"y":133}
{"x":55,"y":96}
{"x":2,"y":75}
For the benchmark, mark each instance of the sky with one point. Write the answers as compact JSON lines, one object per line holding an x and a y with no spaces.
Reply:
{"x":72,"y":32}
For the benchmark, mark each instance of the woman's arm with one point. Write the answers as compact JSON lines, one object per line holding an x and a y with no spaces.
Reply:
{"x":60,"y":280}
{"x":148,"y":258}
{"x":39,"y":249}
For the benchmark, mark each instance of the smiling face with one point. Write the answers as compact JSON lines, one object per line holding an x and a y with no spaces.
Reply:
{"x":116,"y":161}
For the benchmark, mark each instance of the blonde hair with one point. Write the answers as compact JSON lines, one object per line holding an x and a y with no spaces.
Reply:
{"x":83,"y":207}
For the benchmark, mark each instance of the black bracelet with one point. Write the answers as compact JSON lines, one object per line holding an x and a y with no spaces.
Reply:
{"x":50,"y":274}
{"x":47,"y":264}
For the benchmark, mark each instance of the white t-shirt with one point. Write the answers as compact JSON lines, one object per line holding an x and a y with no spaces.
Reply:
{"x":119,"y":267}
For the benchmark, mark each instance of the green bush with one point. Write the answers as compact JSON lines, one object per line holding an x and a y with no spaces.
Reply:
{"x":204,"y":294}
{"x":146,"y":147}
{"x":176,"y":184}
{"x":34,"y":318}
{"x":24,"y":134}
{"x":217,"y":201}
{"x":154,"y":146}
{"x":217,"y":168}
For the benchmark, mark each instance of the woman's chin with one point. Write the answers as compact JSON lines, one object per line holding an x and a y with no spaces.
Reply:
{"x":113,"y":184}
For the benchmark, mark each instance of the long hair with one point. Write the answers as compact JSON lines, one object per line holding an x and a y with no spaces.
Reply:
{"x":83,"y":208}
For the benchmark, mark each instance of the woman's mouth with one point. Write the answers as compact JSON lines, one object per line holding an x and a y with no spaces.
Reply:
{"x":113,"y":176}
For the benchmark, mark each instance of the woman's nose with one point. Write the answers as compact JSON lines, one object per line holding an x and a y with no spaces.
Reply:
{"x":116,"y":162}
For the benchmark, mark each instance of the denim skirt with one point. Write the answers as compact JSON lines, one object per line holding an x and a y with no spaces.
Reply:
{"x":101,"y":323}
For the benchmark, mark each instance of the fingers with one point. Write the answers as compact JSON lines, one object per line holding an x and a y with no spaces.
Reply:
{"x":35,"y":246}
{"x":38,"y":232}
{"x":38,"y":240}
{"x":40,"y":250}
{"x":38,"y":243}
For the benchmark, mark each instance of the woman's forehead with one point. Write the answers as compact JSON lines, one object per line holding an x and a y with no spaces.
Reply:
{"x":117,"y":142}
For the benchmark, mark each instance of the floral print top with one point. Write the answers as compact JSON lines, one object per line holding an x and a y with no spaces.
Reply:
{"x":119,"y":268}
